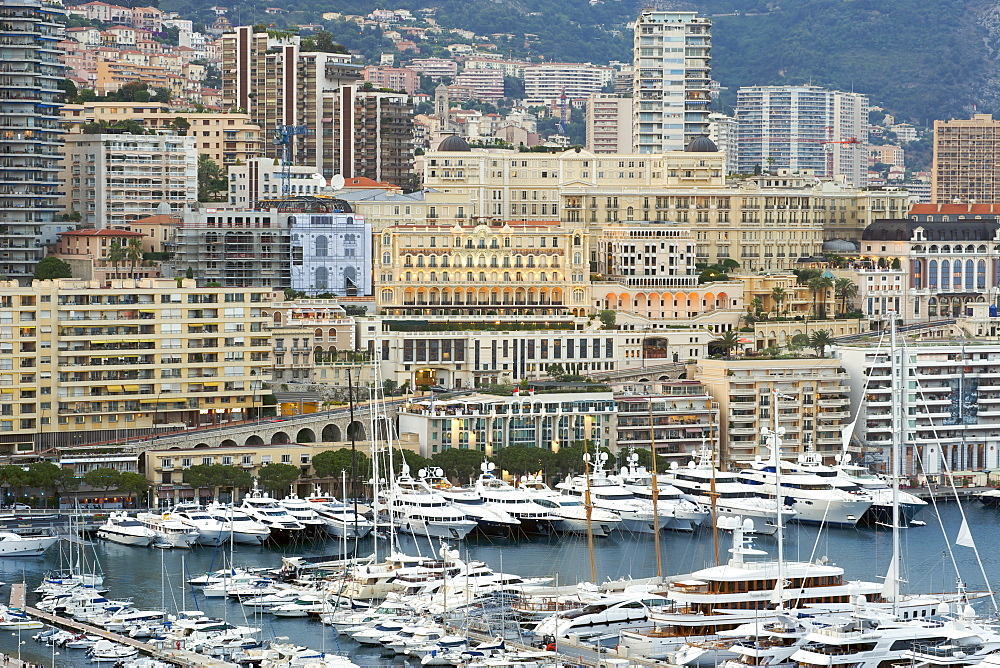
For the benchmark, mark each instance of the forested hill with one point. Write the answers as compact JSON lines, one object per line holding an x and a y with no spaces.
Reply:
{"x":919,"y":59}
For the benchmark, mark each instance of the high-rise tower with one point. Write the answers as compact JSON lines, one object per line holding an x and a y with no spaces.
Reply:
{"x":29,"y":132}
{"x":670,"y":86}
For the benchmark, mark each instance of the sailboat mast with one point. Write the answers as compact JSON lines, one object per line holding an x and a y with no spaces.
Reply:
{"x":655,"y":491}
{"x":780,"y":529}
{"x":588,"y":506}
{"x":896,"y":387}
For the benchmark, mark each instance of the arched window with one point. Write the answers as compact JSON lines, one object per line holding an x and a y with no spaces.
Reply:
{"x":387,"y":295}
{"x":945,"y":274}
{"x":321,"y":245}
{"x":918,"y":273}
{"x":932,"y":274}
{"x":577,"y":258}
{"x":320,"y":278}
{"x":386,"y":240}
{"x":956,"y":272}
{"x":981,"y":275}
{"x":386,"y":258}
{"x":444,"y":261}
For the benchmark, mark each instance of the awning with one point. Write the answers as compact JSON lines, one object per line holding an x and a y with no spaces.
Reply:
{"x":131,"y":388}
{"x":114,"y":389}
{"x":142,"y":311}
{"x":161,"y":400}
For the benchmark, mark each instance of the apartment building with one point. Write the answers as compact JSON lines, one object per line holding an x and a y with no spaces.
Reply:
{"x":813,"y":404}
{"x":31,"y":140}
{"x":724,"y":132}
{"x":671,"y":83}
{"x":547,"y":82}
{"x":804,"y":128}
{"x":486,"y":85}
{"x":966,"y":162}
{"x":683,"y":418}
{"x":112,"y":179}
{"x":90,"y":254}
{"x":402,"y":79}
{"x":82,"y":362}
{"x":491,"y":423}
{"x":261,"y":179}
{"x":435,"y":68}
{"x":949,"y":406}
{"x":228,"y":139}
{"x":609,"y":123}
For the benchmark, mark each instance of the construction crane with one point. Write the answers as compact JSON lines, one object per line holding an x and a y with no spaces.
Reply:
{"x":283,"y":137}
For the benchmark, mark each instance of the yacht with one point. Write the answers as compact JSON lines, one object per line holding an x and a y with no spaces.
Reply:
{"x":340,"y":518}
{"x":606,"y":494}
{"x":266,"y":510}
{"x":571,"y":511}
{"x":990,"y":497}
{"x":16,"y":545}
{"x":813,"y":498}
{"x":605,"y":615}
{"x":211,"y":530}
{"x":305,"y":513}
{"x":240,"y":527}
{"x":415,"y":508}
{"x":120,"y":528}
{"x":501,"y":495}
{"x":684,"y":514}
{"x":490,"y":520}
{"x":170,"y":531}
{"x":700,"y":480}
{"x":722,"y":598}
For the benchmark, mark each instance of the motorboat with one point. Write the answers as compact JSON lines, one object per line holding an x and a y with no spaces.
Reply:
{"x":700,"y":482}
{"x":500,"y":494}
{"x":340,"y":518}
{"x":240,"y":526}
{"x":490,"y":519}
{"x":16,"y":545}
{"x":170,"y":531}
{"x":266,"y":510}
{"x":636,"y":515}
{"x":105,"y":651}
{"x":814,"y":499}
{"x":605,"y":615}
{"x":684,"y":515}
{"x":15,"y":619}
{"x":990,"y":497}
{"x":571,"y":511}
{"x":211,"y":530}
{"x":120,"y":528}
{"x":415,"y":508}
{"x":305,"y":513}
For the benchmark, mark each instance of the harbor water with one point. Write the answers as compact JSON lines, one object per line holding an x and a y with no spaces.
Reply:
{"x":137,"y":573}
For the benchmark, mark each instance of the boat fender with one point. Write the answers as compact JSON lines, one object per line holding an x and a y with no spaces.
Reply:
{"x":177,"y":645}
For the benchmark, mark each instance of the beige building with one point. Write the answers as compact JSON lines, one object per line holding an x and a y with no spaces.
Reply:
{"x":813,"y":404}
{"x":966,"y":164}
{"x":81,"y":362}
{"x":683,"y":418}
{"x":227,"y":139}
{"x":609,"y":123}
{"x":89,"y":253}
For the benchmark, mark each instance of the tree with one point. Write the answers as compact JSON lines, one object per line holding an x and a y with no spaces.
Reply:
{"x":816,"y":286}
{"x":459,"y":464}
{"x":214,"y":476}
{"x":180,"y":125}
{"x":820,"y":340}
{"x":757,"y":306}
{"x":555,"y":371}
{"x":845,"y":290}
{"x":277,"y":478}
{"x":52,"y":267}
{"x":728,"y":342}
{"x":13,"y":476}
{"x":50,"y":478}
{"x":116,"y":254}
{"x":778,"y":297}
{"x":332,"y":463}
{"x":521,"y":460}
{"x":104,"y":478}
{"x":608,"y":318}
{"x":803,"y":276}
{"x":133,"y":484}
{"x":133,"y":252}
{"x":189,"y":273}
{"x":211,"y":178}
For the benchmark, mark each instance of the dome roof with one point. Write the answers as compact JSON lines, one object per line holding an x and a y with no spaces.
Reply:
{"x":702,"y":144}
{"x":840,"y":246}
{"x":454,"y":143}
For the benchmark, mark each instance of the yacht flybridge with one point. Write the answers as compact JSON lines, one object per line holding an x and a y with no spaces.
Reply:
{"x":814,"y":499}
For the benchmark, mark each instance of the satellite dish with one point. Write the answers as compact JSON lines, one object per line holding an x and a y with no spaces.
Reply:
{"x":439,"y":471}
{"x":586,"y":456}
{"x":944,"y":609}
{"x":337,"y":182}
{"x":690,"y":465}
{"x":604,"y":456}
{"x":673,"y":466}
{"x":492,"y":466}
{"x":422,"y":473}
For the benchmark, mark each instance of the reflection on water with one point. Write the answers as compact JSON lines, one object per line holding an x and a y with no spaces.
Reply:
{"x":136,"y":572}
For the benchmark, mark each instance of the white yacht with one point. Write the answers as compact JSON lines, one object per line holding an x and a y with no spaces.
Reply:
{"x":605,"y":615}
{"x":16,"y":545}
{"x":490,"y":520}
{"x":340,"y":518}
{"x":415,"y":508}
{"x":684,"y":515}
{"x":851,"y":475}
{"x":814,"y":499}
{"x":571,"y":511}
{"x":733,"y":497}
{"x":721,"y":598}
{"x":170,"y":531}
{"x":636,"y":514}
{"x":305,"y":513}
{"x":211,"y":530}
{"x":990,"y":497}
{"x":501,"y":495}
{"x":239,"y":526}
{"x":266,"y":510}
{"x":120,"y":528}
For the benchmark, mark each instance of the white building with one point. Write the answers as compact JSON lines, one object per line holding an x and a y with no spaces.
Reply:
{"x":609,"y":123}
{"x":672,"y":73}
{"x":724,"y":131}
{"x":262,"y":179}
{"x":549,"y":81}
{"x":331,"y":251}
{"x":804,"y":128}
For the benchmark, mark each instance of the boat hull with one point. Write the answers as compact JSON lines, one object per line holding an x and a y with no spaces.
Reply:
{"x":27,"y":547}
{"x":125,"y":539}
{"x":446,"y":530}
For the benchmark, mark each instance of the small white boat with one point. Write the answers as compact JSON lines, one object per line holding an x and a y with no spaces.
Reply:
{"x":105,"y":651}
{"x":170,"y":531}
{"x":120,"y":528}
{"x":16,"y":545}
{"x":13,"y":619}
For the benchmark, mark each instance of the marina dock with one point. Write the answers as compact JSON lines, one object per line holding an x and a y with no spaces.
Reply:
{"x":175,"y":657}
{"x":944,"y":493}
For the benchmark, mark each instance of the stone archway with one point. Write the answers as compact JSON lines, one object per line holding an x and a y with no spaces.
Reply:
{"x":356,"y":431}
{"x":305,"y":435}
{"x":331,"y":434}
{"x":228,"y":443}
{"x":280,"y":438}
{"x":255,"y":440}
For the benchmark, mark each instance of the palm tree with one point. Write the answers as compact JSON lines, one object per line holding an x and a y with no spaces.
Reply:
{"x":845,"y":290}
{"x":816,"y":286}
{"x":778,"y":297}
{"x":820,"y":340}
{"x":134,"y":252}
{"x":116,"y":255}
{"x":728,"y":342}
{"x":758,"y":306}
